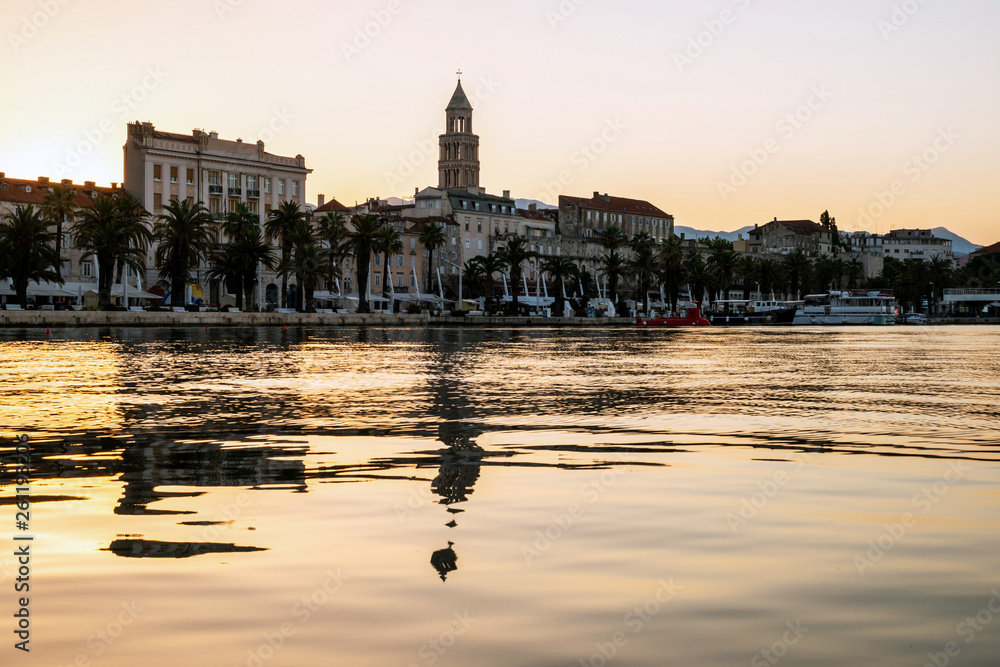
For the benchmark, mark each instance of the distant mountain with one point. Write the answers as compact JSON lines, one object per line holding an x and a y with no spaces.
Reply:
{"x":523,"y":204}
{"x":960,"y":245}
{"x":692,"y":233}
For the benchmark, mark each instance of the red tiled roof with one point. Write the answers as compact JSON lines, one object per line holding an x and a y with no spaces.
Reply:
{"x":16,"y":192}
{"x":802,"y":226}
{"x":332,"y":206}
{"x":988,"y":250}
{"x":537,"y":215}
{"x":618,"y":205}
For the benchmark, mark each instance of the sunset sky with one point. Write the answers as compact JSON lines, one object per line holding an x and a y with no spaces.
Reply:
{"x":724,"y":113}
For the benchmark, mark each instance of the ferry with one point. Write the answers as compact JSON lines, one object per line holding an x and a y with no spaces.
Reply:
{"x":742,"y":312}
{"x":848,"y":307}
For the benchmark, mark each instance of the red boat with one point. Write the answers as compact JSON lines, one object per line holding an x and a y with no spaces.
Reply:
{"x":691,"y":318}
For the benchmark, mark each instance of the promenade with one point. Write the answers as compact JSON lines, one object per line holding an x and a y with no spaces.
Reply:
{"x":13,"y":319}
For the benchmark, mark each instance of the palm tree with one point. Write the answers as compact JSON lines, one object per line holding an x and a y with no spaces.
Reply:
{"x":796,"y":265}
{"x":748,"y":269}
{"x":670,"y":268}
{"x":514,"y":252}
{"x":431,"y":237}
{"x":308,"y":263}
{"x":825,"y":271}
{"x":115,"y":234}
{"x":59,"y":207}
{"x":612,"y":238}
{"x":723,"y":260}
{"x":390,"y":244}
{"x":941,"y":276}
{"x":185,"y":235}
{"x":360,"y":242}
{"x":700,"y":275}
{"x":236,"y":262}
{"x":332,"y":229}
{"x":615,"y":268}
{"x":769,"y":273}
{"x":855,"y":270}
{"x":560,"y":268}
{"x":642,"y":265}
{"x":25,"y":245}
{"x":280,"y":226}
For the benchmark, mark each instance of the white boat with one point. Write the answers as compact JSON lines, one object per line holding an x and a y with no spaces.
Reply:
{"x":848,"y":307}
{"x":915,"y":318}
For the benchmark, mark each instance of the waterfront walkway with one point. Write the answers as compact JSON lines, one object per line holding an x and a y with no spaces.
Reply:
{"x":85,"y":319}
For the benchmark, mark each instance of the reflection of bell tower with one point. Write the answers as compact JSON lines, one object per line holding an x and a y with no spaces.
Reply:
{"x":458,"y":166}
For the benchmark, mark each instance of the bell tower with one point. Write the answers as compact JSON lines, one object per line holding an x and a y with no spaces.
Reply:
{"x":458,"y":165}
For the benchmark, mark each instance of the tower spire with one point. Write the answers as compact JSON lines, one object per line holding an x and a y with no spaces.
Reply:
{"x":458,"y":166}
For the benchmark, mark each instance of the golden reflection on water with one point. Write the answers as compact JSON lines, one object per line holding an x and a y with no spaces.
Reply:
{"x":509,"y":498}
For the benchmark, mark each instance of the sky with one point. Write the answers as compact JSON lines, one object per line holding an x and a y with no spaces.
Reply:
{"x":723,"y":113}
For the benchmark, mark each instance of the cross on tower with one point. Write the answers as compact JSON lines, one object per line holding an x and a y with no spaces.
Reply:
{"x":459,"y":74}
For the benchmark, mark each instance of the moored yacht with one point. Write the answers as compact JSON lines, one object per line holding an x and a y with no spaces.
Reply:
{"x":742,"y":312}
{"x":848,"y":307}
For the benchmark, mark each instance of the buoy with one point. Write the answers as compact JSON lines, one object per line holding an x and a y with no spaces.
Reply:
{"x":286,"y":328}
{"x":48,"y":332}
{"x":206,"y":329}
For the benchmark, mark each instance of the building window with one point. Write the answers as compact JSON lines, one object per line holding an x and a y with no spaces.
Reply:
{"x":467,"y":244}
{"x":295,"y":188}
{"x":378,"y":260}
{"x":413,"y":280}
{"x":251,"y":183}
{"x":281,"y":186}
{"x":157,"y":172}
{"x":400,"y":261}
{"x":479,"y":224}
{"x":87,"y":269}
{"x":267,"y":186}
{"x":466,"y":224}
{"x":413,"y":244}
{"x":157,"y":201}
{"x":234,"y":181}
{"x":213,"y":178}
{"x":190,"y":176}
{"x":233,"y":203}
{"x":378,"y":280}
{"x":480,"y":244}
{"x":173,"y":174}
{"x":399,"y":279}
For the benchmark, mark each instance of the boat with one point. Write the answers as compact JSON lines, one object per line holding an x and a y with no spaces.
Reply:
{"x":692,"y":318}
{"x":743,"y":312}
{"x":915,"y":318}
{"x":848,"y":307}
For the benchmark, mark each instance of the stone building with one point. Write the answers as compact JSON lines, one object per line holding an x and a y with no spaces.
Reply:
{"x":783,"y":237}
{"x":201,"y":167}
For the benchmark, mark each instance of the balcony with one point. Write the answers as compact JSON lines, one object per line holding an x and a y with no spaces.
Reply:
{"x":215,"y":189}
{"x":253,"y":194}
{"x":235,"y":192}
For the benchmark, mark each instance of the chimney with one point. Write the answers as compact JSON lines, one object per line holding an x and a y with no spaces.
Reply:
{"x":506,"y":194}
{"x":597,"y":195}
{"x":43,"y":180}
{"x":114,"y":186}
{"x":416,"y":191}
{"x":3,"y":175}
{"x":682,"y":236}
{"x":775,"y":219}
{"x":213,"y":134}
{"x":320,"y":201}
{"x":89,"y":185}
{"x":239,"y":140}
{"x":532,"y":207}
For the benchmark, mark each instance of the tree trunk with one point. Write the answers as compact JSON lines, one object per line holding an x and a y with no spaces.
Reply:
{"x":21,"y":288}
{"x":104,"y":286}
{"x":177,"y":288}
{"x":59,"y":233}
{"x":363,"y":267}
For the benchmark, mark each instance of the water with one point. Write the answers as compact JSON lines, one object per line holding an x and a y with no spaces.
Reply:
{"x":488,"y":497}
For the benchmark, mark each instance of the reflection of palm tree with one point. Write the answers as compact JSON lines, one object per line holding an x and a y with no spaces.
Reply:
{"x":460,"y":467}
{"x":445,"y":561}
